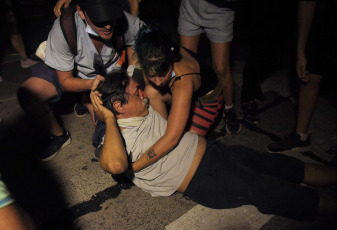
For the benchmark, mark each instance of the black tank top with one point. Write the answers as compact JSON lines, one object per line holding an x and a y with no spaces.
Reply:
{"x":209,"y":79}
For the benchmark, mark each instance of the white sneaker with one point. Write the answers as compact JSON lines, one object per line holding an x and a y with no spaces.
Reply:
{"x":27,"y":63}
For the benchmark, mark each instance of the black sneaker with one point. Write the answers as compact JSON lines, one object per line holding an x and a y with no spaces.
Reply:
{"x":290,"y":143}
{"x":250,"y":112}
{"x":80,"y":110}
{"x":232,"y":123}
{"x":55,"y":144}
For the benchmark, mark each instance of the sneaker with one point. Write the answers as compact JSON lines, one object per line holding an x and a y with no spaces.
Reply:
{"x":290,"y":143}
{"x":80,"y":110}
{"x":28,"y":63}
{"x":250,"y":112}
{"x":55,"y":144}
{"x":232,"y":123}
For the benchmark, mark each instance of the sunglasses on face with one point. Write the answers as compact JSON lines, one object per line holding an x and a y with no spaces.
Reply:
{"x":104,"y":24}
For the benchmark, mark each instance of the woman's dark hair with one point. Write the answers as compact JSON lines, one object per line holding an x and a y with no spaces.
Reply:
{"x":155,"y":50}
{"x":113,"y":88}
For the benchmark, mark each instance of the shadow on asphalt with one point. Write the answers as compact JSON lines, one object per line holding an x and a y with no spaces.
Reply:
{"x":94,"y":204}
{"x":31,"y":183}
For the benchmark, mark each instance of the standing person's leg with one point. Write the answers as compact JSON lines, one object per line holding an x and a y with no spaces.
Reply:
{"x":217,"y":20}
{"x":188,"y":27}
{"x":190,"y":42}
{"x":220,"y":60}
{"x":307,"y":99}
{"x":221,"y":65}
{"x":16,"y":40}
{"x":299,"y":140}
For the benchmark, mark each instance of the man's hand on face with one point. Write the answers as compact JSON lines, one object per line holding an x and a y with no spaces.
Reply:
{"x":58,"y":6}
{"x":102,"y":112}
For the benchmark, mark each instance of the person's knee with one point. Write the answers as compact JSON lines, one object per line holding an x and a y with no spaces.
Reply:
{"x":35,"y":91}
{"x":26,"y":91}
{"x":314,"y":80}
{"x":221,"y":69}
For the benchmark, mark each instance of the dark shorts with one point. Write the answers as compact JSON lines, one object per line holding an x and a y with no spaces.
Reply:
{"x":321,"y":53}
{"x":43,"y":71}
{"x":232,"y":176}
{"x":321,"y":49}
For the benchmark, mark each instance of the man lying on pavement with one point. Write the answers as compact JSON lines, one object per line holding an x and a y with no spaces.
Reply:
{"x":209,"y":173}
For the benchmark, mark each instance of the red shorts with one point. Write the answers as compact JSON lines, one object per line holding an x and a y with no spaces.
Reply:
{"x":205,"y":114}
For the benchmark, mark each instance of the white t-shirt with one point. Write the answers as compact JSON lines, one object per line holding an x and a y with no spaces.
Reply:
{"x":164,"y":176}
{"x":59,"y":56}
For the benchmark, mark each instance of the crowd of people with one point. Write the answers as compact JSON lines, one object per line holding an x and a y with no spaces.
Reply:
{"x":157,"y":100}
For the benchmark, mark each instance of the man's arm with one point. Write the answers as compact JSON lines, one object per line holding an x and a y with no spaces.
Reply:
{"x":72,"y":84}
{"x":132,"y":57}
{"x":113,"y":157}
{"x":306,"y":10}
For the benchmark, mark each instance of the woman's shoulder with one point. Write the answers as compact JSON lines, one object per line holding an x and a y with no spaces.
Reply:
{"x":187,"y":64}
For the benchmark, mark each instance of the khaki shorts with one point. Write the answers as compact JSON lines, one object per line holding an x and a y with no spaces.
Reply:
{"x":200,"y":16}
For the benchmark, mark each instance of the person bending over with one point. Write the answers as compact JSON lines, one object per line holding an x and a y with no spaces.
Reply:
{"x":176,"y":76}
{"x":211,"y":174}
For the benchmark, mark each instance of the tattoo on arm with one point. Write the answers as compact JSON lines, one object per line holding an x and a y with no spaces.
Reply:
{"x":150,"y":154}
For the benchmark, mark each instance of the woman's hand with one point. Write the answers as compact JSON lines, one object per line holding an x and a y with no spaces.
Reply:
{"x":102,"y":112}
{"x":58,"y":6}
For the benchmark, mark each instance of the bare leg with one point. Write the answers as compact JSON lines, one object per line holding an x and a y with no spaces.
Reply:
{"x":319,"y":175}
{"x":17,"y":43}
{"x":33,"y":96}
{"x":220,"y":59}
{"x":307,"y":99}
{"x":190,"y":42}
{"x":15,"y":36}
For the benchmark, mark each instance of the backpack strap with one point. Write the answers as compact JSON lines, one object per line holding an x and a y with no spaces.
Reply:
{"x":68,"y":27}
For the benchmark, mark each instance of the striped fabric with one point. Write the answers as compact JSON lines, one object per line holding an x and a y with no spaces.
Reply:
{"x":204,"y":115}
